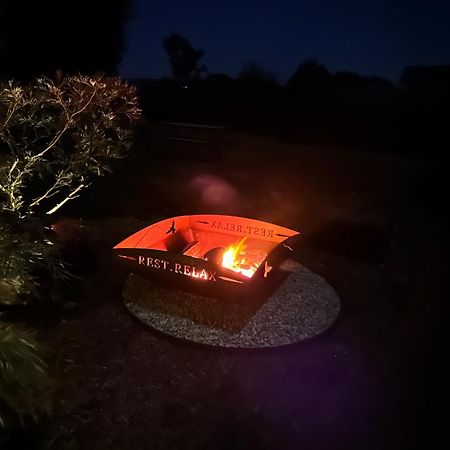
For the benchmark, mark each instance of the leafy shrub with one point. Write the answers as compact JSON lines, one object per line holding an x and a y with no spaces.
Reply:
{"x":27,"y":258}
{"x":25,"y":386}
{"x":57,"y":137}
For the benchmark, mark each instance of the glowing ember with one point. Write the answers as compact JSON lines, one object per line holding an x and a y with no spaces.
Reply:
{"x":238,"y":258}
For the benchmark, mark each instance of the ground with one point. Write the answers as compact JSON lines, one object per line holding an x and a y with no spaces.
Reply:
{"x":371,"y":381}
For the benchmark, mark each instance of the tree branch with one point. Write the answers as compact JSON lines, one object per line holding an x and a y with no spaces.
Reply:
{"x":69,"y":121}
{"x":47,"y":194}
{"x":71,"y":196}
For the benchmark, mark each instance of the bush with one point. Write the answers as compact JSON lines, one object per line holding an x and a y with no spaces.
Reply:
{"x":31,"y":267}
{"x":25,"y":386}
{"x":57,"y":137}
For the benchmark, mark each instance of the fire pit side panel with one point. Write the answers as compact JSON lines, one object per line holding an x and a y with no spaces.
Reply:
{"x":241,"y":227}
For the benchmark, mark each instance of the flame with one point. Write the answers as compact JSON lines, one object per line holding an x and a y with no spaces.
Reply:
{"x":236,"y":257}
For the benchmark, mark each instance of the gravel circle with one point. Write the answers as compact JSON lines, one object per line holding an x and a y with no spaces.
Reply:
{"x":302,"y":307}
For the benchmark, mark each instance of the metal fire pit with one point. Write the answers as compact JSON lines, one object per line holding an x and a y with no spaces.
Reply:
{"x":187,"y":252}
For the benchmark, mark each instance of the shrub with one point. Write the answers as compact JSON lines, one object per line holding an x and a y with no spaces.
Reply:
{"x":28,"y":258}
{"x":25,"y":385}
{"x":57,"y":137}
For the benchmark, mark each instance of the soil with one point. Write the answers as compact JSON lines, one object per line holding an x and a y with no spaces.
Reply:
{"x":372,"y":226}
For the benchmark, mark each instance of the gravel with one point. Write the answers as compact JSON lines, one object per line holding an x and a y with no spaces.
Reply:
{"x":304,"y":306}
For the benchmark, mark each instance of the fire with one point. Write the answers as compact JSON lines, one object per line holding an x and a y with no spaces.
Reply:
{"x":238,"y":258}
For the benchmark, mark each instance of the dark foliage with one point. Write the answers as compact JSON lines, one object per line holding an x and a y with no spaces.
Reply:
{"x":254,"y":79}
{"x":183,"y":58}
{"x":427,"y":79}
{"x":311,"y":79}
{"x":365,"y":112}
{"x":25,"y":386}
{"x":54,"y":138}
{"x":352,"y":84}
{"x":38,"y":38}
{"x":31,"y":267}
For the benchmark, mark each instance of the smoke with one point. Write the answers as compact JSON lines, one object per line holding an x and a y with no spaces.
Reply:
{"x":214,"y":192}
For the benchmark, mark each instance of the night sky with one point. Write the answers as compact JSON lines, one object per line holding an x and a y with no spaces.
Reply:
{"x":370,"y":37}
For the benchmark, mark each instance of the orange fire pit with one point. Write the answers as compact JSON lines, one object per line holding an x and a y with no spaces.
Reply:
{"x":214,"y":255}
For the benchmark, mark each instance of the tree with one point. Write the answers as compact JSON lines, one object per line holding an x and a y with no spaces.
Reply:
{"x":254,"y":74}
{"x":257,"y":85}
{"x":183,"y":58}
{"x":310,"y":79}
{"x":432,"y":79}
{"x":353,"y":84}
{"x":39,"y":37}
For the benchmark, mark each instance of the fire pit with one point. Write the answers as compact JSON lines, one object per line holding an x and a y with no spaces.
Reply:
{"x":224,"y":280}
{"x":218,"y":256}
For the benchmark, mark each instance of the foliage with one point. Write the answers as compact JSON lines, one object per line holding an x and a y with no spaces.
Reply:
{"x":257,"y":82}
{"x":57,"y":137}
{"x":253,"y":71}
{"x":183,"y":57}
{"x":40,"y":37}
{"x":25,"y":385}
{"x":311,"y":79}
{"x":429,"y":79}
{"x":27,"y":257}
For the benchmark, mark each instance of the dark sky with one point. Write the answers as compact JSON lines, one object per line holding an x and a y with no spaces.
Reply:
{"x":370,"y":37}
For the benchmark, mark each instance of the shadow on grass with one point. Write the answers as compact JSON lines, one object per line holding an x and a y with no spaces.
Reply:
{"x":362,"y":241}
